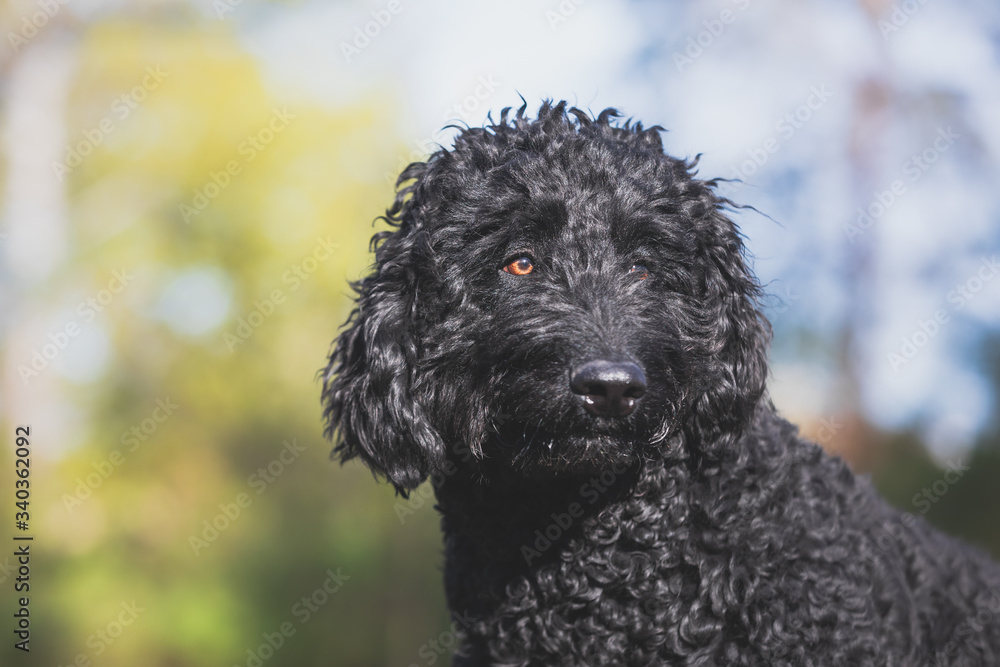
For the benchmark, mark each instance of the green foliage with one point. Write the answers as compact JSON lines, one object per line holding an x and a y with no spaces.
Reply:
{"x":282,"y":236}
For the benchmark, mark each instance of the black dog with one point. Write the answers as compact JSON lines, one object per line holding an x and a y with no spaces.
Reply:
{"x":562,"y":332}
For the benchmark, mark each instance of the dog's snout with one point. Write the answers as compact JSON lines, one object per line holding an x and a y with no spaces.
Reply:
{"x":608,"y":388}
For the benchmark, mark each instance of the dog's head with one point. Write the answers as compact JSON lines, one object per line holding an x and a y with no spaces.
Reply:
{"x":555,"y":295}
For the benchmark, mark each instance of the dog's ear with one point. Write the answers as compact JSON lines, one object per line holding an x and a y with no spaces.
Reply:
{"x":737,"y":334}
{"x":369,"y":404}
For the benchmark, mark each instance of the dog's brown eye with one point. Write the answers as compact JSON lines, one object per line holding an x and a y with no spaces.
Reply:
{"x":639,"y":271}
{"x":521,"y":266}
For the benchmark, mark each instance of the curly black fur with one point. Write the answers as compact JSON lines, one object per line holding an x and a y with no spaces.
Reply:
{"x":697,"y":530}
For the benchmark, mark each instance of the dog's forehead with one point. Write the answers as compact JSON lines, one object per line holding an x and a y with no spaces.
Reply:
{"x":581,"y":205}
{"x":595,"y":219}
{"x":550,"y":203}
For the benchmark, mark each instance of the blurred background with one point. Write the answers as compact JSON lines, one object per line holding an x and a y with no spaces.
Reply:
{"x":189,"y":186}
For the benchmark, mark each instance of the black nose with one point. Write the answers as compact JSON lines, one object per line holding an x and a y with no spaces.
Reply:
{"x":609,"y":388}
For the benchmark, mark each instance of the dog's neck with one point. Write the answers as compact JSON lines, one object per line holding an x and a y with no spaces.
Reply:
{"x":510,"y":530}
{"x":506,"y":507}
{"x":508,"y":533}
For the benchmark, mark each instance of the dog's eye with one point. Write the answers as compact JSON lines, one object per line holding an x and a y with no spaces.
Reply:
{"x":639,"y":271}
{"x":521,"y":266}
